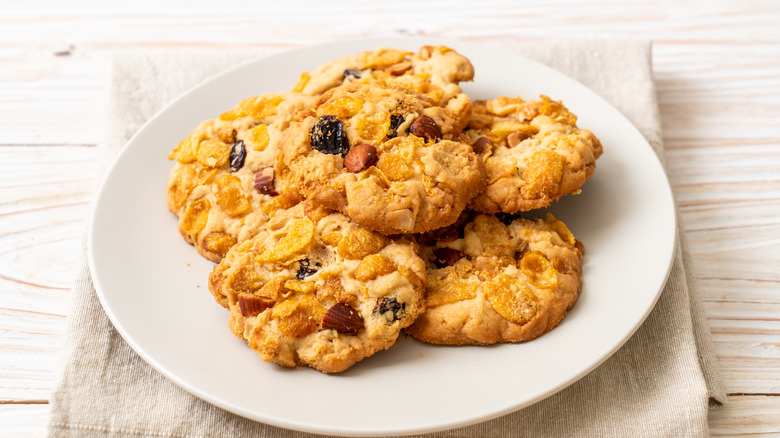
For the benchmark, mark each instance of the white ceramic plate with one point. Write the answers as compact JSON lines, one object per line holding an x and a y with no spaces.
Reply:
{"x":153,"y":285}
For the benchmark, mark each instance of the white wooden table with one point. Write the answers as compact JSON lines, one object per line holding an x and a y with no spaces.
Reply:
{"x":717,"y":66}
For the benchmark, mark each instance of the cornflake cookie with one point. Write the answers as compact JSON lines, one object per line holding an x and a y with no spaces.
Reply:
{"x":384,"y":157}
{"x":223,"y":186}
{"x":314,"y":288}
{"x":533,"y":152}
{"x":434,"y":72}
{"x":491,"y":282}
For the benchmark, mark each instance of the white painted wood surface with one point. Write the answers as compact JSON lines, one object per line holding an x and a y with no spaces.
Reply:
{"x":717,"y":66}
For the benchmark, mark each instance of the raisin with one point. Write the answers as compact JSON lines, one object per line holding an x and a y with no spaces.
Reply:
{"x":237,"y":155}
{"x":305,"y":269}
{"x":353,"y":73}
{"x":395,"y":121}
{"x":443,"y":257}
{"x":389,"y":304}
{"x":508,"y":218}
{"x":328,"y":136}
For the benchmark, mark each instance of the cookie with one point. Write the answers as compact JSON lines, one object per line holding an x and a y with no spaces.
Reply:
{"x":223,"y":186}
{"x":534,"y":153}
{"x":433,"y":71}
{"x":491,"y":281}
{"x":385,"y":157}
{"x":314,"y":288}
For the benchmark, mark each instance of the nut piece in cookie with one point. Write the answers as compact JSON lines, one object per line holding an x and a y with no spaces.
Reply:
{"x":223,"y":186}
{"x":314,"y":288}
{"x":385,"y":157}
{"x":534,"y":153}
{"x":494,"y":280}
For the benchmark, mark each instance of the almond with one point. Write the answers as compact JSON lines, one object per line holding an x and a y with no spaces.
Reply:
{"x":425,"y":52}
{"x":264,"y":181}
{"x":360,"y":157}
{"x":425,"y":127}
{"x":253,"y":305}
{"x":482,"y":144}
{"x":343,"y":319}
{"x":399,"y":69}
{"x":516,"y":137}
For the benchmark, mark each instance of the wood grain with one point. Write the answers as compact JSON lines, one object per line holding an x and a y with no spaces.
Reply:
{"x":44,"y":205}
{"x":23,"y":420}
{"x":747,"y":416}
{"x":717,"y":71}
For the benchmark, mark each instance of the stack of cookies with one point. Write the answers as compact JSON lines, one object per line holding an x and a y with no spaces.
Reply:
{"x":376,"y":198}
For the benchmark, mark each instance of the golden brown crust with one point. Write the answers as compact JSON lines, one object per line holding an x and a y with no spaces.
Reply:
{"x":433,"y":72}
{"x":219,"y":203}
{"x":313,"y":288}
{"x":504,"y":283}
{"x":537,"y":155}
{"x":422,"y":178}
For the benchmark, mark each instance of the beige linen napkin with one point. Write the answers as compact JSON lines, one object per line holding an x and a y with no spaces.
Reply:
{"x":660,"y":383}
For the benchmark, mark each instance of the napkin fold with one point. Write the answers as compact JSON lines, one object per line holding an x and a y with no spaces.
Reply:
{"x":660,"y":383}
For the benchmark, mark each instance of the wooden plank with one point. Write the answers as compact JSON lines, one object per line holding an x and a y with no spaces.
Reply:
{"x":59,"y":57}
{"x":45,"y":195}
{"x":24,"y":420}
{"x":746,"y":416}
{"x":29,"y":371}
{"x":729,"y":197}
{"x":748,"y":352}
{"x":44,"y":203}
{"x":37,"y":107}
{"x":742,"y":416}
{"x":723,"y":102}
